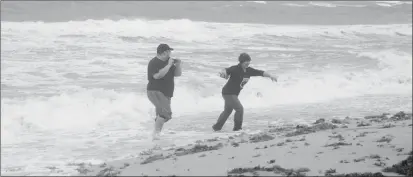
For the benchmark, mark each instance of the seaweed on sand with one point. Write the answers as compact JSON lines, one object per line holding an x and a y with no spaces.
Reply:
{"x":405,"y":167}
{"x":275,"y":169}
{"x":386,"y":139}
{"x":401,"y":116}
{"x":369,"y":174}
{"x":154,"y":158}
{"x":312,"y":129}
{"x":198,"y":148}
{"x":396,"y":117}
{"x":363,"y":124}
{"x":109,"y":171}
{"x":388,"y":126}
{"x":274,"y":129}
{"x":318,"y":121}
{"x":377,"y":118}
{"x":363,"y":134}
{"x":338,"y":121}
{"x":260,"y":138}
{"x":338,"y":144}
{"x":213,"y":139}
{"x":330,"y":172}
{"x":340,"y":137}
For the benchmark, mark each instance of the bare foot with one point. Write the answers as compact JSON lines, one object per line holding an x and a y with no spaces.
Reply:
{"x":155,"y":136}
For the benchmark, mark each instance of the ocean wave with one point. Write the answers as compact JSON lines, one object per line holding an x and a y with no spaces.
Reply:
{"x":391,"y":76}
{"x":339,"y":4}
{"x":187,"y":31}
{"x":81,"y":110}
{"x":322,"y":4}
{"x":295,"y":5}
{"x":392,"y":3}
{"x":259,"y":2}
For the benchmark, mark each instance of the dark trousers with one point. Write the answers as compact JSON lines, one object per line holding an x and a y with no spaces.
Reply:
{"x":231,"y":103}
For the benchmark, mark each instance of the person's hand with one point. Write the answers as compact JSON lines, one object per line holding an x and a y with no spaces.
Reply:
{"x":223,"y":74}
{"x":170,"y":61}
{"x":274,"y":78}
{"x":177,"y":62}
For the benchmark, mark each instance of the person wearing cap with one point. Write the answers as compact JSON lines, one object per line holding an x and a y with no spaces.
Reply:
{"x":238,"y":76}
{"x":162,"y":71}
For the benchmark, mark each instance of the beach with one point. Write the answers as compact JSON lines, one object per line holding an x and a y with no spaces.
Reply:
{"x":74,"y":78}
{"x":371,"y":146}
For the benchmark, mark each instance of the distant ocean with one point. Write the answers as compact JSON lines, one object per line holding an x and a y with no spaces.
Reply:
{"x":73,"y":74}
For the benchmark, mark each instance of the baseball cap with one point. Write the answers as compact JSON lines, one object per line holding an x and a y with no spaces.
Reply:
{"x":162,"y":48}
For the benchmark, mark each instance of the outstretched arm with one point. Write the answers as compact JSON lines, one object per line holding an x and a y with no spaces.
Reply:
{"x":256,"y":72}
{"x":267,"y":74}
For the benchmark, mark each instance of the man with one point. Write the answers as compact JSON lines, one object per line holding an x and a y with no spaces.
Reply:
{"x":162,"y":71}
{"x":238,"y":77}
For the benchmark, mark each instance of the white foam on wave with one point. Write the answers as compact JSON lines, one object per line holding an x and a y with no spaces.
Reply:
{"x":181,"y":30}
{"x":391,"y":76}
{"x":322,"y":4}
{"x":81,"y":109}
{"x":334,"y":4}
{"x":75,"y":112}
{"x":258,"y":2}
{"x":67,"y":127}
{"x":269,"y":48}
{"x":395,"y":66}
{"x":294,"y":5}
{"x":391,"y":3}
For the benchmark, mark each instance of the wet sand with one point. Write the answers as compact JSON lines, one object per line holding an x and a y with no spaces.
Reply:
{"x":371,"y":146}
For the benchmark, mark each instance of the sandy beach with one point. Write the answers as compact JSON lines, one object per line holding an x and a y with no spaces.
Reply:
{"x":371,"y":146}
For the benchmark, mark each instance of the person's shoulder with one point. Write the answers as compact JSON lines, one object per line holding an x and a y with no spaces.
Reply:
{"x":154,"y":60}
{"x":255,"y":72}
{"x":251,"y":68}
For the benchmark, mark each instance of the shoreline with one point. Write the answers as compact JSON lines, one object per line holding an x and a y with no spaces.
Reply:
{"x":372,"y":146}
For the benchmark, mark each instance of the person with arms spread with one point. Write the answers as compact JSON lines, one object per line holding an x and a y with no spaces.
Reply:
{"x":162,"y":71}
{"x":238,"y":76}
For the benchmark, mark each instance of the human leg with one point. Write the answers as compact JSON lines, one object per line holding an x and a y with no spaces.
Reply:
{"x":239,"y":113}
{"x":163,"y":110}
{"x":224,"y":114}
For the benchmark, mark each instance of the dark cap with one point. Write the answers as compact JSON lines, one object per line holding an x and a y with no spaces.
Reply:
{"x":243,"y":57}
{"x":162,"y":48}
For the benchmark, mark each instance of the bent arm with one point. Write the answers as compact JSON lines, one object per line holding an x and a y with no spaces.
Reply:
{"x":224,"y":73}
{"x":162,"y":72}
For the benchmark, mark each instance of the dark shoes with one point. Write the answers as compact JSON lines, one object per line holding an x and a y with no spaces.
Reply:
{"x":234,"y":129}
{"x":213,"y":128}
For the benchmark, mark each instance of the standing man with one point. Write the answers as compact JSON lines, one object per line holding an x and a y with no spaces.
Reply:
{"x":238,"y":76}
{"x":162,"y":71}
